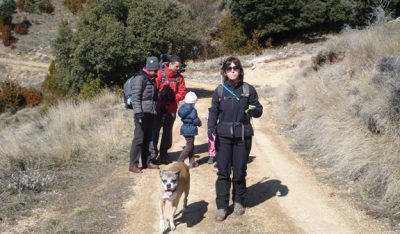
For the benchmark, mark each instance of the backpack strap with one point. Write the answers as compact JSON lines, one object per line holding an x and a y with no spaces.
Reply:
{"x":144,"y":81}
{"x":164,"y":76}
{"x":246,"y":89}
{"x":220,"y":91}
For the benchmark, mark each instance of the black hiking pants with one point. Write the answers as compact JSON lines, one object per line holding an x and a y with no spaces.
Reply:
{"x":166,"y":123}
{"x":141,"y":140}
{"x":232,"y":155}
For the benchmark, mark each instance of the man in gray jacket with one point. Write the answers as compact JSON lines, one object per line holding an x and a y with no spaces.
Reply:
{"x":144,"y":98}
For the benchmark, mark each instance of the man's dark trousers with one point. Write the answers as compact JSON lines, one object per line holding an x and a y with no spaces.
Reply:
{"x":166,"y":122}
{"x":142,"y":136}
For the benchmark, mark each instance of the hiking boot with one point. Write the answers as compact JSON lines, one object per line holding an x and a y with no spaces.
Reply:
{"x":238,"y":208}
{"x":210,"y":160}
{"x":220,"y":216}
{"x":193,"y":163}
{"x":151,"y":165}
{"x":135,"y":169}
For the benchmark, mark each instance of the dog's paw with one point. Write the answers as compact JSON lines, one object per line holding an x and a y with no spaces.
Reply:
{"x":172,"y":224}
{"x":162,"y":226}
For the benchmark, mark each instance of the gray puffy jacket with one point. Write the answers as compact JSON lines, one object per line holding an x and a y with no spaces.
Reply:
{"x":144,"y":97}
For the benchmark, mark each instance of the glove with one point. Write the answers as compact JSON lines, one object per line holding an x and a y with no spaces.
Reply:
{"x":249,"y":111}
{"x":211,"y":133}
{"x":139,"y":117}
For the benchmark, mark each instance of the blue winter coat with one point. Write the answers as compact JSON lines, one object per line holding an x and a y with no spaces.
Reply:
{"x":190,"y":120}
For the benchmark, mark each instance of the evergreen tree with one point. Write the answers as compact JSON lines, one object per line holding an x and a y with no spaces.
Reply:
{"x":7,"y":8}
{"x":114,"y":37}
{"x":286,"y":18}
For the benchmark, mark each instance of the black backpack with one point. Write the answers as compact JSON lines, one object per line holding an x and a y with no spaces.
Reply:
{"x":128,"y":89}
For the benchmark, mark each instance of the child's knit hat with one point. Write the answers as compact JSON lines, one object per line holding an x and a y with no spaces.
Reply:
{"x":190,"y":97}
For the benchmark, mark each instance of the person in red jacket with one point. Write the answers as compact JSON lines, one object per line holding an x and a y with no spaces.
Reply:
{"x":172,"y":90}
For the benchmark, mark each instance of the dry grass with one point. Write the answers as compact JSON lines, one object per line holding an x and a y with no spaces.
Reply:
{"x":345,"y":115}
{"x":88,"y":131}
{"x":69,"y":149}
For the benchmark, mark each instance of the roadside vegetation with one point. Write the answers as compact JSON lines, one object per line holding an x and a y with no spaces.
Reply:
{"x":68,"y":147}
{"x":343,"y":113}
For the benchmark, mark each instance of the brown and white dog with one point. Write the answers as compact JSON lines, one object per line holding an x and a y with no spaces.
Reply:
{"x":175,"y":180}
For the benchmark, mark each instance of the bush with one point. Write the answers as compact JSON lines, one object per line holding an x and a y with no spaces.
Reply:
{"x":26,"y":5}
{"x":46,"y":6}
{"x":7,"y":8}
{"x":326,"y":57}
{"x":281,"y":19}
{"x":14,"y":97}
{"x":114,"y":38}
{"x":75,"y":6}
{"x":91,"y":89}
{"x":33,"y":6}
{"x":253,"y":45}
{"x":22,"y":28}
{"x":51,"y":84}
{"x":232,"y":35}
{"x":6,"y":35}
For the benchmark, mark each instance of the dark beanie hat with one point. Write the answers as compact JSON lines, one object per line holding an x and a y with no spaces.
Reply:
{"x":152,"y":63}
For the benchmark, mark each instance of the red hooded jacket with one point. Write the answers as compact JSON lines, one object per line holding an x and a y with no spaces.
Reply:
{"x":178,"y":89}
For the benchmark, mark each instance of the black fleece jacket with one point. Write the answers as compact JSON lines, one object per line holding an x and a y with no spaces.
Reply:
{"x":227,"y":114}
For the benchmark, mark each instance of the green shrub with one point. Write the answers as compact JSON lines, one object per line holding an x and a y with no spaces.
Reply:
{"x":114,"y":38}
{"x":26,"y":5}
{"x":232,"y":35}
{"x":51,"y":84}
{"x":281,"y":19}
{"x":91,"y":89}
{"x":46,"y":6}
{"x":7,"y":8}
{"x":33,"y":6}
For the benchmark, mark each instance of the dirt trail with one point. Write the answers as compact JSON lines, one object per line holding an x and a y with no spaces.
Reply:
{"x":284,"y":195}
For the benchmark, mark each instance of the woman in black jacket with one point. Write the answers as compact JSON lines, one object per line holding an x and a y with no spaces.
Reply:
{"x":233,"y":104}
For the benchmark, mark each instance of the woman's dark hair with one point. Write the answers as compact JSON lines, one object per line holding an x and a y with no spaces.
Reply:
{"x":225,"y":65}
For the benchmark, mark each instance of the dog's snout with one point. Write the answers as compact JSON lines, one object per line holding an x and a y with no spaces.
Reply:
{"x":168,"y":186}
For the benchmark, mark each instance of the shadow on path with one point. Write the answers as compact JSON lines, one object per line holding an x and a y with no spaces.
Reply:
{"x":264,"y":190}
{"x":193,"y":215}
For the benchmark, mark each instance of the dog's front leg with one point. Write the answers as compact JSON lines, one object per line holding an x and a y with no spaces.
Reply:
{"x":162,"y":224}
{"x":173,"y":211}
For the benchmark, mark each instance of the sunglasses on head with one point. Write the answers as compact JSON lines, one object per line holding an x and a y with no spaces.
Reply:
{"x":235,"y":68}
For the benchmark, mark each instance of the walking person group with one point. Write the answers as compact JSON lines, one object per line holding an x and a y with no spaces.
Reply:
{"x":234,"y":103}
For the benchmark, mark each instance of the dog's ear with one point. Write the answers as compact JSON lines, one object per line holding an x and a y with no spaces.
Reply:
{"x":161,"y":173}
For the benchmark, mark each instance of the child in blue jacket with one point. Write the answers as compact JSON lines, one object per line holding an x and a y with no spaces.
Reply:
{"x":191,"y":121}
